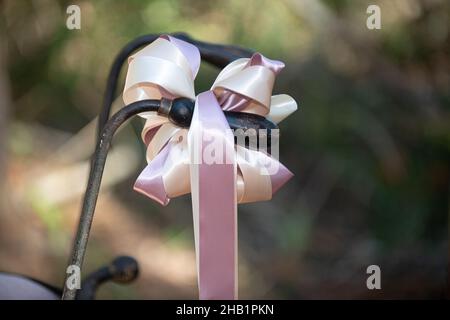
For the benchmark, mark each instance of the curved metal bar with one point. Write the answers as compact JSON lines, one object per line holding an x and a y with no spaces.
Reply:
{"x":215,"y":54}
{"x":218,"y":55}
{"x":95,"y":178}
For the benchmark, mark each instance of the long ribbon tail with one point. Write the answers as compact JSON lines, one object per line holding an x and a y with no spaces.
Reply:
{"x":213,"y":188}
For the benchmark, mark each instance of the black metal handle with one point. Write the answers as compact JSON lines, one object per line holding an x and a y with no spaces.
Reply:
{"x":180,"y":111}
{"x":123,"y":269}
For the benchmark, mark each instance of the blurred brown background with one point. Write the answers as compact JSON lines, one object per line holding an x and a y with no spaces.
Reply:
{"x":369,"y":146}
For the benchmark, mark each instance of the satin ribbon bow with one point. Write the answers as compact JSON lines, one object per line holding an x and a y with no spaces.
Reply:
{"x":167,"y":68}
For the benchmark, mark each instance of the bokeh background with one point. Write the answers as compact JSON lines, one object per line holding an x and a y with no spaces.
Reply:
{"x":369,"y":146}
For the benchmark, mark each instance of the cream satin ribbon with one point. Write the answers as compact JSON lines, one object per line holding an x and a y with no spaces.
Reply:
{"x":166,"y":69}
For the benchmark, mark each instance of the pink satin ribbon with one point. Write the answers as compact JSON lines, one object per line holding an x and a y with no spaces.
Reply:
{"x":214,"y":200}
{"x":167,"y":68}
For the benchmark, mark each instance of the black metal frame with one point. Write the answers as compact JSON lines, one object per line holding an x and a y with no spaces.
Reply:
{"x":215,"y":54}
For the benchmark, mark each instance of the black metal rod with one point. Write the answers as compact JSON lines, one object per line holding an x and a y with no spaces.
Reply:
{"x":218,"y":55}
{"x":95,"y":177}
{"x":215,"y":54}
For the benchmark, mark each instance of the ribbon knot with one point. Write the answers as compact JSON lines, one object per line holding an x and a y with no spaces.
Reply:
{"x":203,"y":159}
